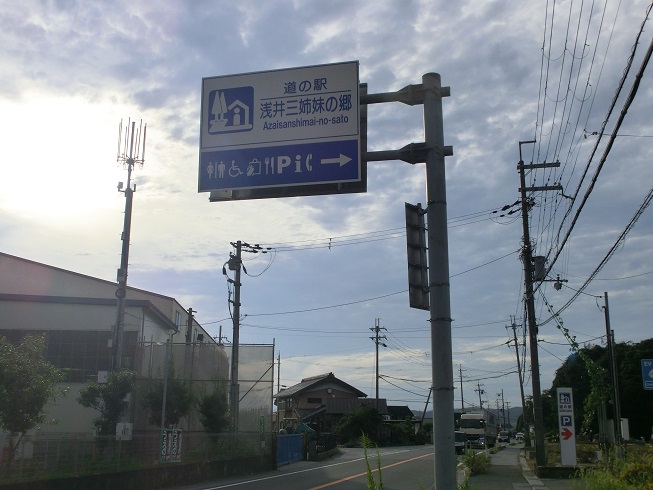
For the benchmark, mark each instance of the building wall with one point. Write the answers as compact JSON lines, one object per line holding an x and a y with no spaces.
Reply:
{"x":29,"y":315}
{"x":310,"y":400}
{"x":19,"y":276}
{"x":77,"y":313}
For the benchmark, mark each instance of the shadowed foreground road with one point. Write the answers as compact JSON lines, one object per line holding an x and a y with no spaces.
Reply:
{"x":402,"y":468}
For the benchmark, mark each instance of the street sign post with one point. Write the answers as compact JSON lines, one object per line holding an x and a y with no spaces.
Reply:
{"x":647,"y":373}
{"x":566,"y":426}
{"x":279,"y":129}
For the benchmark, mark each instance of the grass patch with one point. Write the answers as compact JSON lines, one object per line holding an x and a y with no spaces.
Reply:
{"x":634,"y":472}
{"x":477,"y":463}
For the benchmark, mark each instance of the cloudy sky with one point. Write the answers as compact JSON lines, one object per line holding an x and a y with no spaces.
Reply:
{"x":518,"y":71}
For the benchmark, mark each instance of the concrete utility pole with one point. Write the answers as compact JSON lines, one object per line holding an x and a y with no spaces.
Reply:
{"x":235,"y":264}
{"x":462,"y":398}
{"x":278,"y":372}
{"x":616,"y":409}
{"x":189,"y":330}
{"x":130,"y":152}
{"x":527,"y":257}
{"x":480,"y":391}
{"x":503,"y":409}
{"x":377,"y":340}
{"x":521,"y":381}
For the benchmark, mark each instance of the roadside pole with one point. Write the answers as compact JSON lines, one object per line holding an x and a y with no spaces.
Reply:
{"x":432,"y":153}
{"x":439,"y":289}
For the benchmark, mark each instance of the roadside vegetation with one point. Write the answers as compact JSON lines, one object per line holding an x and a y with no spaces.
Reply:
{"x":476,"y":462}
{"x":27,"y":383}
{"x":634,"y":472}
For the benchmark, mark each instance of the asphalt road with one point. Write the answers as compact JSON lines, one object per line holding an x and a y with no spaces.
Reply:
{"x":402,"y":468}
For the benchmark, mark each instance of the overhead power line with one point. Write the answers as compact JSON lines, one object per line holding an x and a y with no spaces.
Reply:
{"x":609,"y":255}
{"x":622,"y":115}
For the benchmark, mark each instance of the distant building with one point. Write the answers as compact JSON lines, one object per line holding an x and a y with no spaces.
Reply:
{"x":76,"y":313}
{"x":320,"y":401}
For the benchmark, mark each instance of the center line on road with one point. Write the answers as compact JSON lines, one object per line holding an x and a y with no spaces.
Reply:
{"x":342,"y":480}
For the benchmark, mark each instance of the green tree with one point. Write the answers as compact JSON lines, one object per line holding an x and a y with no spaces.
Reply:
{"x":365,"y":419}
{"x":27,"y":383}
{"x":586,"y":372}
{"x":108,"y":399}
{"x":636,"y":403}
{"x":214,"y":410}
{"x":404,"y":433}
{"x":179,"y":399}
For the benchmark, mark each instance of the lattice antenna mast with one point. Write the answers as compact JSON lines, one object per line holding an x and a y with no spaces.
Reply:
{"x":131,"y":151}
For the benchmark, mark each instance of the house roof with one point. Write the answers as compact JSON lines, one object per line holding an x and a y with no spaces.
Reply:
{"x":345,"y":405}
{"x":318,"y":382}
{"x":398,"y":412}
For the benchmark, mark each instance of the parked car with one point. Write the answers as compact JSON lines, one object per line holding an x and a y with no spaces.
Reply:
{"x":504,"y":436}
{"x":519,"y":437}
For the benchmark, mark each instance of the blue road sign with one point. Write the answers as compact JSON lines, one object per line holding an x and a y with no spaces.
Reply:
{"x":647,"y":373}
{"x":280,"y":128}
{"x":278,"y":166}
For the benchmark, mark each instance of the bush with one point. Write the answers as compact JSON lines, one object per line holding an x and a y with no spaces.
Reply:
{"x":477,"y":463}
{"x":634,"y":472}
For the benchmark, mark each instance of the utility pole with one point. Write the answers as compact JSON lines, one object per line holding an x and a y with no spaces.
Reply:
{"x":426,"y":405}
{"x":220,"y":337}
{"x":616,"y":409}
{"x":480,"y":391}
{"x":377,"y":340}
{"x":462,"y":399}
{"x":278,"y":372}
{"x":527,"y":257}
{"x":130,"y":152}
{"x":235,"y":264}
{"x":189,"y":330}
{"x":509,"y":423}
{"x":521,"y":383}
{"x":503,"y":409}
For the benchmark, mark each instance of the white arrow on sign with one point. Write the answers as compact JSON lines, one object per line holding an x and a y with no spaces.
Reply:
{"x":342,"y":159}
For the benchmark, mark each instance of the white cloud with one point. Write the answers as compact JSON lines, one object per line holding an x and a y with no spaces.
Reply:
{"x":71,"y":71}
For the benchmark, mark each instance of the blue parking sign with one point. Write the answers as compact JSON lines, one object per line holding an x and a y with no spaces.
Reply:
{"x":647,"y":373}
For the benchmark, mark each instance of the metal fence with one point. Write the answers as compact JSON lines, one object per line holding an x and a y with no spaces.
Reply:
{"x":70,"y":455}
